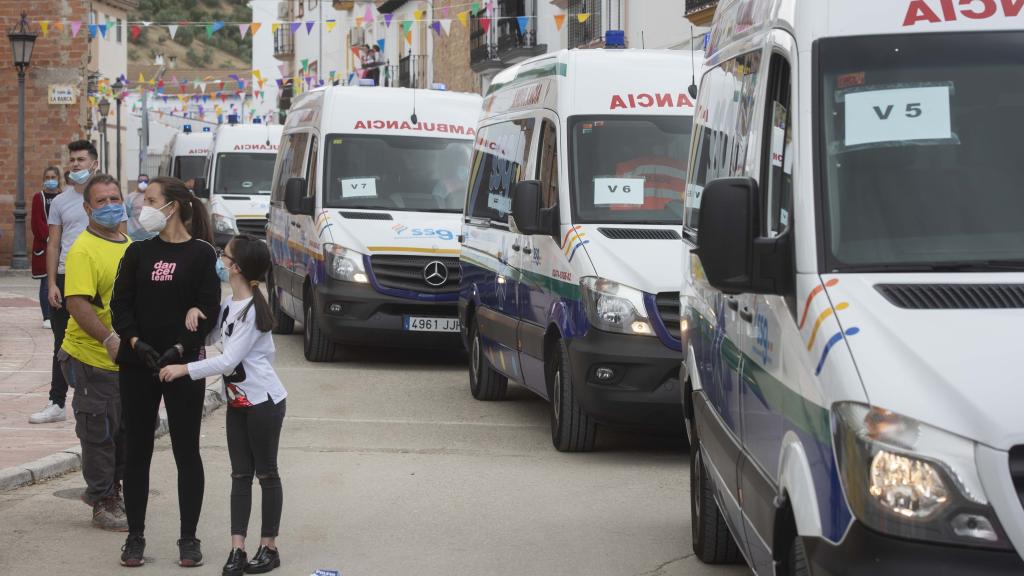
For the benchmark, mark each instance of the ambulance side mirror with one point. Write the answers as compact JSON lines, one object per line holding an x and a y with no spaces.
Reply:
{"x":526,"y":207}
{"x":735,"y":257}
{"x":199,"y":188}
{"x":295,"y":199}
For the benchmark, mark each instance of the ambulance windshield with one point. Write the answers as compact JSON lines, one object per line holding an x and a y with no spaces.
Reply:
{"x":188,"y":167}
{"x":629,"y":169}
{"x":403,"y":173}
{"x":244,"y":173}
{"x":921,"y":140}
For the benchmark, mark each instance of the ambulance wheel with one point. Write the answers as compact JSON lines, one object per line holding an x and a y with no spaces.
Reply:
{"x":316,"y":346}
{"x":485,"y":383}
{"x":798,"y":565}
{"x":712,"y":542}
{"x":283,"y":323}
{"x":572,"y":429}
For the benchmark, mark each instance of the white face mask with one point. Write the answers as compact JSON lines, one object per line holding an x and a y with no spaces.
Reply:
{"x":143,"y":186}
{"x":153,"y":220}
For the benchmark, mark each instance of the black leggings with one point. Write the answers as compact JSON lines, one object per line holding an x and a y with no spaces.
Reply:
{"x":253,"y":435}
{"x":140,"y":397}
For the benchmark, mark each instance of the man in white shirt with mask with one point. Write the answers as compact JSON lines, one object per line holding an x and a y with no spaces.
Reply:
{"x":67,"y":219}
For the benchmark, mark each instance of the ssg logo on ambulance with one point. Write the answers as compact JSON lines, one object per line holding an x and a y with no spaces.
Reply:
{"x":938,"y":11}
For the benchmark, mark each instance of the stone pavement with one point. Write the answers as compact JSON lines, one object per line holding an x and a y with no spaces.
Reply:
{"x":32,"y":452}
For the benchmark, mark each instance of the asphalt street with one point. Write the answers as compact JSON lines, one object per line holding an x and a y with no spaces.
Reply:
{"x":391,"y":468}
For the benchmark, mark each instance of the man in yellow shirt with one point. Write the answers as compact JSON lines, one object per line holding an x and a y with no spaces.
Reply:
{"x":86,"y":356}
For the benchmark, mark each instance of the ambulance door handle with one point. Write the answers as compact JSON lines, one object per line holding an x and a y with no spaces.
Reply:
{"x":747,"y":315}
{"x":732,"y":303}
{"x":527,"y":250}
{"x":516,"y":247}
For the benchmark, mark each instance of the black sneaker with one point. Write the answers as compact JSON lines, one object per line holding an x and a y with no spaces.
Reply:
{"x":132,"y":551}
{"x":264,"y":561}
{"x":189,"y":552}
{"x":237,"y":561}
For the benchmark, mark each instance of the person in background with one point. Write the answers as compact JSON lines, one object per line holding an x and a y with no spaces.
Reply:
{"x":134,"y":205}
{"x":256,"y":399}
{"x":159,"y":281}
{"x":40,"y":231}
{"x":376,"y":61}
{"x":89,"y":348}
{"x":66,"y":220}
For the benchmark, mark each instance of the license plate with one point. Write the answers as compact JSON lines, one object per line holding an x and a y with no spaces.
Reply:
{"x":420,"y":324}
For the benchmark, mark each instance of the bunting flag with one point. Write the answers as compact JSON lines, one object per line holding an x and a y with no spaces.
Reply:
{"x":408,"y":37}
{"x":485,"y":23}
{"x":309,"y":26}
{"x":407,"y":27}
{"x":436,"y":25}
{"x":444,"y":12}
{"x":211,"y":28}
{"x":295,"y":26}
{"x":172,"y":29}
{"x":255,"y":27}
{"x":59,"y":26}
{"x":523,"y":21}
{"x":464,"y":19}
{"x":283,"y":69}
{"x":355,"y":51}
{"x":44,"y":25}
{"x":387,"y":20}
{"x":368,"y":15}
{"x":135,"y":31}
{"x":142,"y":79}
{"x":243,"y":29}
{"x":274,"y":26}
{"x":475,"y":7}
{"x":305,"y":64}
{"x":446,"y":24}
{"x":103,"y":30}
{"x":93,"y":28}
{"x":582,"y":17}
{"x":380,"y":44}
{"x":418,"y":14}
{"x":330,"y":25}
{"x":559,"y":21}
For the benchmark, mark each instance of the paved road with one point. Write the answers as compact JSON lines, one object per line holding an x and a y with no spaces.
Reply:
{"x":391,"y":468}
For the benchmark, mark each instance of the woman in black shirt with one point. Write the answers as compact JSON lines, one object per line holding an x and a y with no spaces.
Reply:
{"x":160,"y":279}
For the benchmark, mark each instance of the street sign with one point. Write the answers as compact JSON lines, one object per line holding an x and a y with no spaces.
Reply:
{"x":63,"y":94}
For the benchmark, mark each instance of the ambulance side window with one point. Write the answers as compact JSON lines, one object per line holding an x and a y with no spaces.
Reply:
{"x":777,"y":159}
{"x":547,"y":165}
{"x":311,"y":169}
{"x":293,"y":156}
{"x":499,"y":157}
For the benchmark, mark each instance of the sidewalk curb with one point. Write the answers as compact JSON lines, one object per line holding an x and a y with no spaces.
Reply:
{"x":70,"y":459}
{"x":7,"y":272}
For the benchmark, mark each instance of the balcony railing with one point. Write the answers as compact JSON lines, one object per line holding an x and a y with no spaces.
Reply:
{"x":504,"y":43}
{"x":693,"y":6}
{"x":284,"y":43}
{"x":412,"y":71}
{"x":586,"y":34}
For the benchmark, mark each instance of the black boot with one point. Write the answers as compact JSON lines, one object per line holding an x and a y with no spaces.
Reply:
{"x":236,"y":564}
{"x":263,"y":561}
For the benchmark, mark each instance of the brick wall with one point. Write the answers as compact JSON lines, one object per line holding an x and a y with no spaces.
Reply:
{"x":451,"y":53}
{"x":57,"y":59}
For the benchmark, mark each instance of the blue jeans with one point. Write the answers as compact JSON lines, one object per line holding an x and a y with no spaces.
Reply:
{"x":44,"y":297}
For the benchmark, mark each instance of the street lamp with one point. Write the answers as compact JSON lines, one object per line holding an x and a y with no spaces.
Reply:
{"x":104,"y":107}
{"x":22,"y":42}
{"x":119,"y":96}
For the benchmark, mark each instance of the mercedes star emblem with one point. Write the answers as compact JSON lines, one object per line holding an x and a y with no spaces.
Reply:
{"x":435,"y":273}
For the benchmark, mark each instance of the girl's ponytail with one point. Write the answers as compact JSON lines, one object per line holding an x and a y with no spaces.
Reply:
{"x":200,"y":225}
{"x":253,"y":260}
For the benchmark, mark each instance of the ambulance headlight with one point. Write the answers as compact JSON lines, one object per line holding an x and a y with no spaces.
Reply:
{"x":910,"y":480}
{"x":614,"y":307}
{"x":224,"y":224}
{"x":344,"y":264}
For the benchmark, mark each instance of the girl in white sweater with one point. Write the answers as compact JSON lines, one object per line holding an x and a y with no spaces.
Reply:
{"x":256,"y":399}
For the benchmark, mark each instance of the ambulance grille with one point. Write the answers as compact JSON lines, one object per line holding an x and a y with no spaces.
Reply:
{"x":1017,"y":470}
{"x":252,"y":226}
{"x":953,"y":296}
{"x":406,"y":273}
{"x":668,"y":310}
{"x":639,"y":234}
{"x":366,"y":215}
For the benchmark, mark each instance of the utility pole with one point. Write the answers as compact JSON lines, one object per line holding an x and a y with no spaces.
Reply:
{"x":144,"y":140}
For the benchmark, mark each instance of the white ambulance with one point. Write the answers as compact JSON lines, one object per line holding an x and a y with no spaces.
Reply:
{"x":367,"y":197}
{"x":186,"y":154}
{"x":238,"y":173}
{"x":570,"y":261}
{"x":854,"y":288}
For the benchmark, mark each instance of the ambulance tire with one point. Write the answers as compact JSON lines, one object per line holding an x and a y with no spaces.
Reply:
{"x":798,"y":564}
{"x":316,"y":346}
{"x":712,"y":541}
{"x":572,"y":429}
{"x":283,"y":323}
{"x":485,"y":383}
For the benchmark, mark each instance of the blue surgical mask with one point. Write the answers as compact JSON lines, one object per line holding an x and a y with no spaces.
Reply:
{"x":80,"y":176}
{"x":50,"y":184}
{"x":109,"y":216}
{"x":222,"y":271}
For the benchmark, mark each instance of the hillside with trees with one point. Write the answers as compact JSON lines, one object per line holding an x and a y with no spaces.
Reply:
{"x":225,"y":49}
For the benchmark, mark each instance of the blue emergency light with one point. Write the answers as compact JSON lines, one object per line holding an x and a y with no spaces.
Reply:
{"x":257,"y":120}
{"x":615,"y":39}
{"x":206,"y":128}
{"x":187,"y":128}
{"x":232,"y":119}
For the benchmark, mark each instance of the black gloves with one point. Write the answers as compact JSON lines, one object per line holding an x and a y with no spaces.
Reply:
{"x":148,"y":355}
{"x":171,"y":356}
